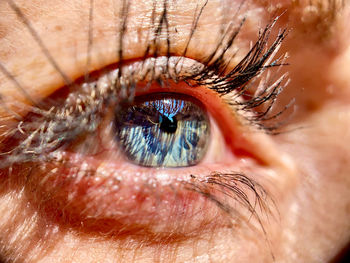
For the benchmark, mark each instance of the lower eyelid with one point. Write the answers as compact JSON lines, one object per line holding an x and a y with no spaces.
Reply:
{"x":107,"y":190}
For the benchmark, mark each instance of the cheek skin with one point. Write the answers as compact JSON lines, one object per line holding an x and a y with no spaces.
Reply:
{"x":319,"y":146}
{"x":320,"y":207}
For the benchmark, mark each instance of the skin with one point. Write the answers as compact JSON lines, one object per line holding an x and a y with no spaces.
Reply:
{"x":310,"y":185}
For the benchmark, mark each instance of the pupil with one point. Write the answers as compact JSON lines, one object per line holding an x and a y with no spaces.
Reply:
{"x":168,"y":125}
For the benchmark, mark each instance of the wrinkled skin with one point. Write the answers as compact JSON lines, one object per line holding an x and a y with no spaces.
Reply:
{"x":312,"y":194}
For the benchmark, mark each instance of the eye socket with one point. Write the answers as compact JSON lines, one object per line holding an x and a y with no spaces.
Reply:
{"x":163,"y":130}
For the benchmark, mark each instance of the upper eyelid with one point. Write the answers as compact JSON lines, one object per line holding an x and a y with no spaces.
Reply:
{"x":249,"y":67}
{"x":57,"y":118}
{"x":50,"y":57}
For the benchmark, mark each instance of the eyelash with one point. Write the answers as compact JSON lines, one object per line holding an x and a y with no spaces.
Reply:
{"x":50,"y":126}
{"x":58,"y":125}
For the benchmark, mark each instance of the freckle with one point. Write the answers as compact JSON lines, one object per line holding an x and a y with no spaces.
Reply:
{"x":139,"y":33}
{"x":58,"y":28}
{"x":312,"y":105}
{"x":3,"y":32}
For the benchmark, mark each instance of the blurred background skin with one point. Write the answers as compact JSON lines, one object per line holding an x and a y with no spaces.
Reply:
{"x":314,"y":223}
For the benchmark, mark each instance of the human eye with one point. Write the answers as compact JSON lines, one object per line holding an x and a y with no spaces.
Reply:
{"x":154,"y":134}
{"x":109,"y":144}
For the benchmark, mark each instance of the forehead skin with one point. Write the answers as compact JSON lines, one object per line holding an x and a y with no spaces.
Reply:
{"x":315,"y":221}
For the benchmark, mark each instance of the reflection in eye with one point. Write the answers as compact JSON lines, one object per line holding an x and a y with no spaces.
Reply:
{"x":168,"y":131}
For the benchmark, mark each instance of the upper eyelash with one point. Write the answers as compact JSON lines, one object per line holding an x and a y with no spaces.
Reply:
{"x":51,"y":128}
{"x":239,"y":79}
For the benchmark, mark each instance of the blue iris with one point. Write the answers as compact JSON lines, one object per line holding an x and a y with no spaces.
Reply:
{"x":165,"y":132}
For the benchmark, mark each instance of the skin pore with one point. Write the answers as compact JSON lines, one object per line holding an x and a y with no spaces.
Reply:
{"x":306,"y":170}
